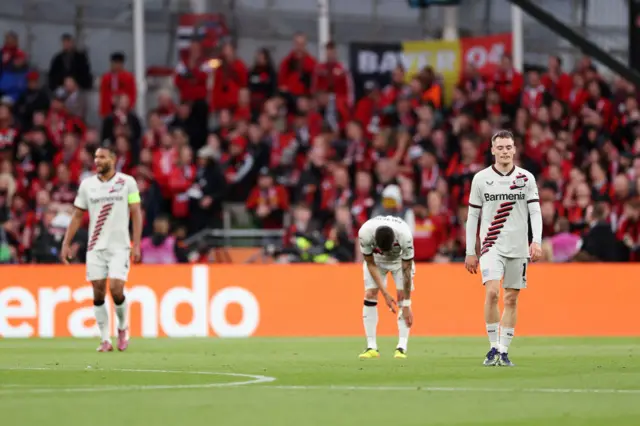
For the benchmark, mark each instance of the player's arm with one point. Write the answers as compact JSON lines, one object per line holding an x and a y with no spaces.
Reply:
{"x":535,"y":216}
{"x":133,"y":198}
{"x":471,"y":229}
{"x":80,"y":205}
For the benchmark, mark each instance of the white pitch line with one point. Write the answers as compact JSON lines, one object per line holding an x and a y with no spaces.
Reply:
{"x":452,"y":389}
{"x":252,"y":379}
{"x":262,"y":380}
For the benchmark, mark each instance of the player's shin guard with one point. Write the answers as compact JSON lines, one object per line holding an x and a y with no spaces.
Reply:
{"x":102,"y":319}
{"x":121,"y":313}
{"x":370,"y":320}
{"x":403,"y":332}
{"x":506,"y":334}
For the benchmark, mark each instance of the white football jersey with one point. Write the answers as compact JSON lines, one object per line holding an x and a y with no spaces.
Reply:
{"x":504,"y":200}
{"x":402,"y":248}
{"x":108,"y":207}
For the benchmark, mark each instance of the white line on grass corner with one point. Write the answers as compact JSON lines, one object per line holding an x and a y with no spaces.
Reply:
{"x":251,"y":379}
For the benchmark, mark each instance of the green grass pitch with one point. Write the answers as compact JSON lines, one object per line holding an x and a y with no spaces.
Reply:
{"x":318,"y":381}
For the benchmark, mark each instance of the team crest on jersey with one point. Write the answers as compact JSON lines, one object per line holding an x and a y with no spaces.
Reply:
{"x":117,"y":186}
{"x":520,"y":182}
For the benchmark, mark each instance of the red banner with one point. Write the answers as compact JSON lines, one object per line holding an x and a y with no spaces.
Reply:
{"x":485,"y":52}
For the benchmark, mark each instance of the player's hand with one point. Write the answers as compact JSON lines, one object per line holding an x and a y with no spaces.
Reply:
{"x":471,"y":263}
{"x":535,"y":252}
{"x":390,"y":301}
{"x":407,"y":315}
{"x":136,"y":254}
{"x":65,"y":254}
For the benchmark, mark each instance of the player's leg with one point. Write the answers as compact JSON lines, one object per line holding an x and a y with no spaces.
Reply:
{"x":97,"y":275}
{"x":119,"y":263}
{"x":403,"y":330}
{"x":492,"y":268}
{"x":515,"y":279}
{"x":370,"y":312}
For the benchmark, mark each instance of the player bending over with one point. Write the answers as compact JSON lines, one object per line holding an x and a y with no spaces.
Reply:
{"x":387,"y":246}
{"x":110,"y":197}
{"x":508,"y":196}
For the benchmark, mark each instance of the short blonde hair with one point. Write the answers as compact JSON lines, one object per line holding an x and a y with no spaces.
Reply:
{"x":502,"y":134}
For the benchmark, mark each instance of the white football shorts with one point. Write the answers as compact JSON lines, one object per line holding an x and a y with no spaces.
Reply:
{"x":396,"y":272}
{"x":108,"y":263}
{"x":512,"y":270}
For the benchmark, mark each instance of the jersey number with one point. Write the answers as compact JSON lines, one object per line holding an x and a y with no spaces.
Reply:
{"x":524,"y":271}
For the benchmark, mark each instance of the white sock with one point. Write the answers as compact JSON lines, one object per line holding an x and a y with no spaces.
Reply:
{"x":506,"y":334}
{"x":102,"y":318}
{"x":492,"y":332}
{"x":403,"y":332}
{"x":121,"y":313}
{"x":370,"y":320}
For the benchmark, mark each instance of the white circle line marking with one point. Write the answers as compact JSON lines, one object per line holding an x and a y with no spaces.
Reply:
{"x":262,"y":380}
{"x":251,"y":379}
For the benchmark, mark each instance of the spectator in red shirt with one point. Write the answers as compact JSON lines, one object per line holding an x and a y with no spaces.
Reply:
{"x":426,"y":171}
{"x":268,"y":202}
{"x":230,"y":76}
{"x":557,"y":82}
{"x":116,"y":82}
{"x":368,"y":110}
{"x":508,"y":82}
{"x":164,"y":159}
{"x":192,"y":73}
{"x":333,"y":77}
{"x":391,"y":91}
{"x":534,"y":95}
{"x":430,"y":227}
{"x":296,"y":69}
{"x":181,"y":178}
{"x":577,"y":95}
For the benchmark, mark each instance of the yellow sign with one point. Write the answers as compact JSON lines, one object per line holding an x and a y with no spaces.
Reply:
{"x":442,"y":56}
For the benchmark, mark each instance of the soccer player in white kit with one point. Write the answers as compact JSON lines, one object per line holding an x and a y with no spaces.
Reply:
{"x":507,"y":196}
{"x":386,"y":243}
{"x":110,"y":198}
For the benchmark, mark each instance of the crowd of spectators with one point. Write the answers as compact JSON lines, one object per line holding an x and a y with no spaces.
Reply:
{"x":292,"y":148}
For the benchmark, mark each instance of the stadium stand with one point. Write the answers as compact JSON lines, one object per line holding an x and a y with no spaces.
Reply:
{"x":291,"y":149}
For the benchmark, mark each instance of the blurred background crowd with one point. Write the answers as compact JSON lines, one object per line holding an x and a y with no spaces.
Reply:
{"x":284,"y":144}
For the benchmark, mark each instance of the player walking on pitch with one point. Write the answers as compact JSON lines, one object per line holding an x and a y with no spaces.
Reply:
{"x":386,"y":243}
{"x":110,"y":198}
{"x":508,"y":196}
